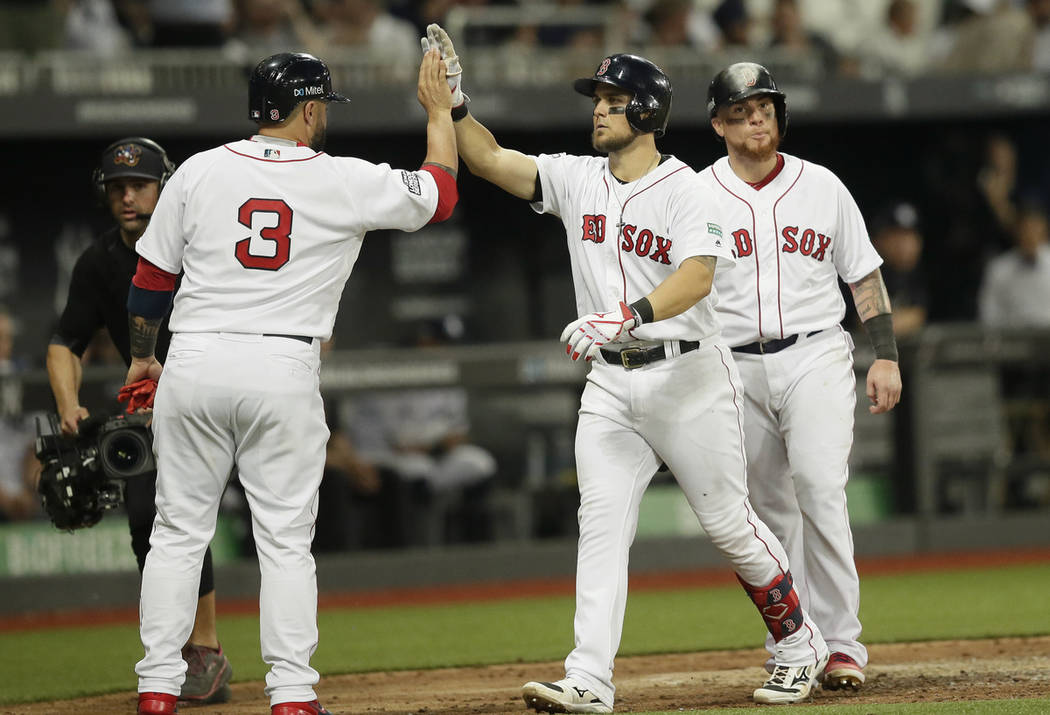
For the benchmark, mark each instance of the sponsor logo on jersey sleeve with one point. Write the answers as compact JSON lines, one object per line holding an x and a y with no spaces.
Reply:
{"x":411,"y":180}
{"x":810,"y":243}
{"x":714,"y":229}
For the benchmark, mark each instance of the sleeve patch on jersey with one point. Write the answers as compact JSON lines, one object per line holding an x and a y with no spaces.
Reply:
{"x":412,"y":182}
{"x":715,"y":229}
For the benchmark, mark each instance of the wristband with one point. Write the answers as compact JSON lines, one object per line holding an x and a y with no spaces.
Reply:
{"x":459,"y":112}
{"x":643,"y":311}
{"x":880,"y":332}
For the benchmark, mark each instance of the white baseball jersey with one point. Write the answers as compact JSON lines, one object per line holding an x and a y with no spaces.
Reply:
{"x":665,"y":218}
{"x":791,"y":239}
{"x":253,"y":221}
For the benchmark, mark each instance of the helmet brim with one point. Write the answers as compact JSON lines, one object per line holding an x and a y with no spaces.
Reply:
{"x":588,"y":85}
{"x":336,"y":97}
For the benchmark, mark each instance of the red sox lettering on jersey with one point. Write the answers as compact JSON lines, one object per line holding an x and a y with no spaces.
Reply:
{"x":642,"y":243}
{"x":626,"y":238}
{"x":793,"y":237}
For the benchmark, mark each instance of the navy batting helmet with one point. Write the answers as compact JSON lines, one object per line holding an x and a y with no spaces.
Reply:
{"x":742,"y":80}
{"x":132,"y":156}
{"x":650,"y":90}
{"x":283,"y":81}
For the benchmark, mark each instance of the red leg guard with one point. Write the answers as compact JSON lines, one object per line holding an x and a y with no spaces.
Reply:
{"x":778,"y":604}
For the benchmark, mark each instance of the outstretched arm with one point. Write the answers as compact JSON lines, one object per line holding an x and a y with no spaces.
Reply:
{"x":873,"y":307}
{"x":510,"y":170}
{"x":433,"y":93}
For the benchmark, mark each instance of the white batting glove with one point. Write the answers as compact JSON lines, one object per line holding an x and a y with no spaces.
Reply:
{"x":586,"y":336}
{"x":437,"y":38}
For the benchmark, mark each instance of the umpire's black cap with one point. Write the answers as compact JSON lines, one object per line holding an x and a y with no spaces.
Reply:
{"x":281,"y":82}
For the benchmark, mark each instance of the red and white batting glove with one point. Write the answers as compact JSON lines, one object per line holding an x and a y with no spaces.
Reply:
{"x":587,"y":335}
{"x":139,"y":395}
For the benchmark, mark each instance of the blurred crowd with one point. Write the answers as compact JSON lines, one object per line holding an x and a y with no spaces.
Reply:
{"x":874,"y":38}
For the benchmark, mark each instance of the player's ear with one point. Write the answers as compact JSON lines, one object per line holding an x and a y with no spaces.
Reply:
{"x":716,"y":124}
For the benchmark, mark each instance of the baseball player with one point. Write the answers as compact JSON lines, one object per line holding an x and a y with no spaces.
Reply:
{"x":128,"y":180}
{"x":795,"y":230}
{"x":644,"y":245}
{"x":266,"y":231}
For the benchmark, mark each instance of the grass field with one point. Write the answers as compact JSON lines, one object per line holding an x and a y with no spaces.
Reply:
{"x":1007,"y":601}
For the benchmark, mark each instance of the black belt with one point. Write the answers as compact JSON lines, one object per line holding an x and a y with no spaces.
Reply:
{"x":631,"y":358}
{"x":766,"y":347}
{"x":300,"y":338}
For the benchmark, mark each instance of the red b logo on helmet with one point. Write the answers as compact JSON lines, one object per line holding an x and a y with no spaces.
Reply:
{"x":603,"y":68}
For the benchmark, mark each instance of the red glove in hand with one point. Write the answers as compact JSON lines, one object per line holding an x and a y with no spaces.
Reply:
{"x":139,"y":395}
{"x":586,"y":336}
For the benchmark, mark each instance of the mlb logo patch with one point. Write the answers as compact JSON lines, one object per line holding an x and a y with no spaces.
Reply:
{"x":271,"y":153}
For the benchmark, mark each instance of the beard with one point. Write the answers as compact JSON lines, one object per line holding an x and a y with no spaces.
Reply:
{"x":763,"y":153}
{"x":318,"y":139}
{"x":608,"y":145}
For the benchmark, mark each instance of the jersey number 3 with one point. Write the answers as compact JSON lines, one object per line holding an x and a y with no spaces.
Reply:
{"x":279,"y":234}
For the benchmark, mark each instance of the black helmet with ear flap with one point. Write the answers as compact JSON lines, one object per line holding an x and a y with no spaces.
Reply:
{"x":742,"y":80}
{"x":650,"y":89}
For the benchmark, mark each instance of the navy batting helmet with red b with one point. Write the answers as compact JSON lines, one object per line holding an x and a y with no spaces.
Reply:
{"x":650,"y":89}
{"x":739,"y":81}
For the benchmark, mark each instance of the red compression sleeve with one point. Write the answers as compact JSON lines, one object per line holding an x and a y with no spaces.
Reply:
{"x":151,"y":277}
{"x":448,"y":194}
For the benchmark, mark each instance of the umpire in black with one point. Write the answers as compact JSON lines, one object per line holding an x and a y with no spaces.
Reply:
{"x":128,"y":181}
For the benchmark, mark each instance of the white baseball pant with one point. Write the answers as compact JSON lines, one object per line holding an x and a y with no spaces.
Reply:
{"x":799,"y":407}
{"x":252,"y":401}
{"x":688,"y":412}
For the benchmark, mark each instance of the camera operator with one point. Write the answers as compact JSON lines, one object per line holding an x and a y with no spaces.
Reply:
{"x":128,"y":181}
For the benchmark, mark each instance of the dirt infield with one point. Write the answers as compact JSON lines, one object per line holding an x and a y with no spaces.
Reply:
{"x":899,"y":673}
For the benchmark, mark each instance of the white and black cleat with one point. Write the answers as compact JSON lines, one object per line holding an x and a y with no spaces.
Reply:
{"x":790,"y":684}
{"x":564,"y":696}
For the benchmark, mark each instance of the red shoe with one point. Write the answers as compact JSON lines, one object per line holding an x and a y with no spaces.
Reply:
{"x":157,"y":704}
{"x":313,"y":708}
{"x":842,"y":673}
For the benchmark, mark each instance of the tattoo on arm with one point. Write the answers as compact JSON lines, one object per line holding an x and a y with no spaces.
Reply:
{"x":144,"y":334}
{"x":448,"y":169}
{"x":870,"y":296}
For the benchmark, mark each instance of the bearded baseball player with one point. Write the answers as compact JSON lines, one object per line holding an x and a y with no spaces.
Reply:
{"x":266,"y":231}
{"x":795,"y":230}
{"x":644,"y":246}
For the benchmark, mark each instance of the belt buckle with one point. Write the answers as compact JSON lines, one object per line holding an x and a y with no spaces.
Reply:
{"x":627,"y":358}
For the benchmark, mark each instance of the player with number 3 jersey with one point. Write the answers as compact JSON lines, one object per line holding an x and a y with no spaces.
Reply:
{"x":265,"y":231}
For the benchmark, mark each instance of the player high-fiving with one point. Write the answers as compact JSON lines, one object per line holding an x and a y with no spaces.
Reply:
{"x":645,"y":242}
{"x":265,"y":231}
